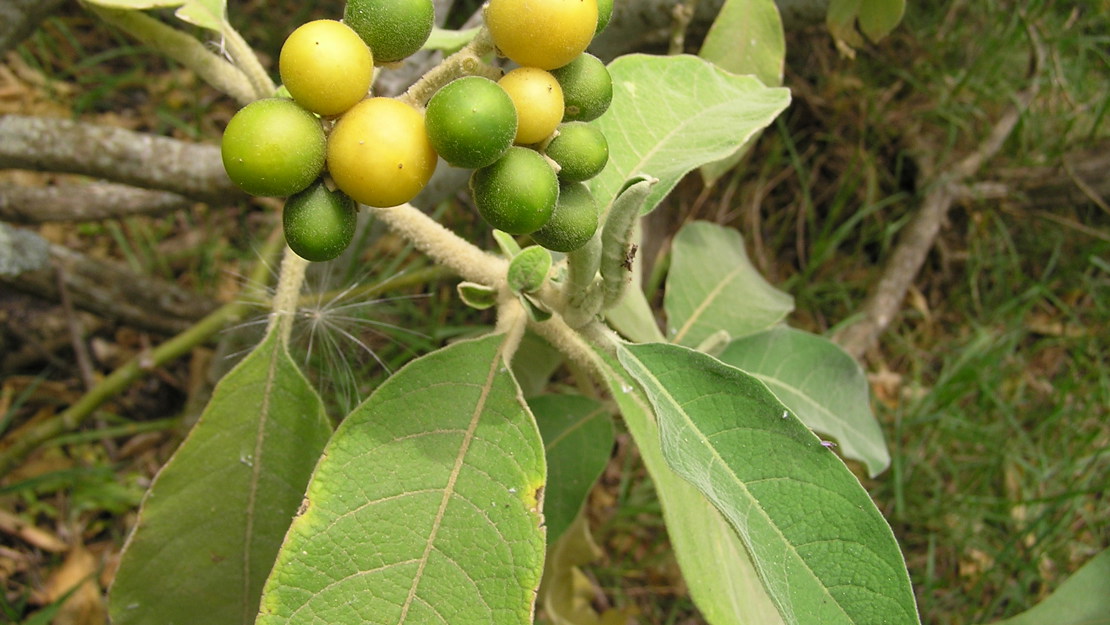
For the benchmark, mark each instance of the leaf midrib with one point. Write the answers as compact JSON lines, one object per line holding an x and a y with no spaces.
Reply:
{"x":449,"y":489}
{"x":256,"y":476}
{"x":661,"y":389}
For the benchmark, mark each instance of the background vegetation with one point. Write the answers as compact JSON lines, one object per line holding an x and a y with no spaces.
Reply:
{"x":992,"y":383}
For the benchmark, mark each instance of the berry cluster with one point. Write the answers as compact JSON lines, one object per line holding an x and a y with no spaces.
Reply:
{"x":526,"y":136}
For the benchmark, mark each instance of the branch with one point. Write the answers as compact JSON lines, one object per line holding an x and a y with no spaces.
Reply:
{"x":84,"y":202}
{"x":443,"y":246}
{"x":113,"y":291}
{"x":919,"y":235}
{"x":143,"y":160}
{"x":243,"y":86}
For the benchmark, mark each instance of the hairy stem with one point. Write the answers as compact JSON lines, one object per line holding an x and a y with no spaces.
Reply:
{"x":443,"y":246}
{"x":290,"y":281}
{"x":247,"y":61}
{"x":184,"y":49}
{"x":466,"y":62}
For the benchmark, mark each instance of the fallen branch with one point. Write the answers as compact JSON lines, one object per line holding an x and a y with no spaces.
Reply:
{"x":113,"y":291}
{"x":139,"y":159}
{"x":84,"y":202}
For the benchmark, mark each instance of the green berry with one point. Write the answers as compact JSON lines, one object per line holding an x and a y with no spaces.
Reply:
{"x":604,"y":14}
{"x":587,"y":88}
{"x":517,"y":193}
{"x":393,"y":29}
{"x":573,"y":222}
{"x":471,"y":122}
{"x":581,"y":151}
{"x":273,"y":147}
{"x":319,"y":224}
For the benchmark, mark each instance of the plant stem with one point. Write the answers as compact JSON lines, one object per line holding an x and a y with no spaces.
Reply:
{"x":184,"y":49}
{"x":443,"y":246}
{"x":284,"y":306}
{"x":139,"y":366}
{"x":466,"y":62}
{"x":247,"y":61}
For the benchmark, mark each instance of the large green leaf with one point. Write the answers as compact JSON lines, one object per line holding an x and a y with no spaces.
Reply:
{"x":823,"y":551}
{"x":714,"y":562}
{"x":746,"y":38}
{"x":426,"y":505}
{"x":213,"y":520}
{"x":712,"y":286}
{"x":1081,"y":600}
{"x":820,"y":383}
{"x":578,"y":439}
{"x":672,"y":114}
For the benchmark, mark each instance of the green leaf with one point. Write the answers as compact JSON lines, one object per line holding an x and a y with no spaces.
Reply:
{"x":1081,"y":600}
{"x":534,"y":362}
{"x":210,"y":14}
{"x":528,"y":270}
{"x":426,"y":505}
{"x":879,"y":18}
{"x":823,"y":551}
{"x":213,"y":520}
{"x":820,"y":383}
{"x":747,"y":38}
{"x":712,"y":286}
{"x":449,"y":40}
{"x":578,"y":439}
{"x":876,"y":18}
{"x":672,"y":114}
{"x":714,"y":562}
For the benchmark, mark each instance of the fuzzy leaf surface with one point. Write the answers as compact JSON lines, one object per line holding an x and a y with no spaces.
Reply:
{"x":820,"y":383}
{"x":747,"y":38}
{"x":672,"y":114}
{"x":712,"y":286}
{"x":578,"y":439}
{"x":717,"y":569}
{"x":213,"y":520}
{"x":823,"y":551}
{"x":425,"y":507}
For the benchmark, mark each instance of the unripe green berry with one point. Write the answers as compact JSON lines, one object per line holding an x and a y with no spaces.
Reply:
{"x":573,"y":222}
{"x":471,"y":122}
{"x":273,"y":147}
{"x":604,"y":14}
{"x":517,"y":193}
{"x":581,"y":151}
{"x":393,"y":29}
{"x":319,"y":224}
{"x":587,"y":88}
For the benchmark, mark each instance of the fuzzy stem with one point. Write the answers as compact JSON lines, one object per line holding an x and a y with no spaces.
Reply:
{"x":466,"y":62}
{"x":284,"y":307}
{"x":182,"y":48}
{"x":511,"y":320}
{"x":443,"y":246}
{"x":247,"y":61}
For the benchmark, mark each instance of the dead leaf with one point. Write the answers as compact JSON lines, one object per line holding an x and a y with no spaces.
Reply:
{"x":84,"y":605}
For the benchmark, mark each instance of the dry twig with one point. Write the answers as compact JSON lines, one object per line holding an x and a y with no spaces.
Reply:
{"x":921,"y":232}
